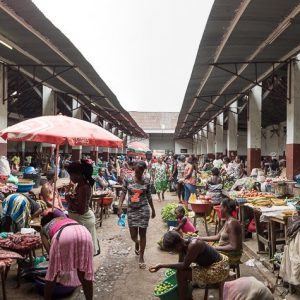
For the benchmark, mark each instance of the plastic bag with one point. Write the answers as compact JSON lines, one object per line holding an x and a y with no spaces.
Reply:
{"x":122,"y":220}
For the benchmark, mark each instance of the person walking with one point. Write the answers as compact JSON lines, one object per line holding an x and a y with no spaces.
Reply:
{"x":138,"y":213}
{"x":160,"y":178}
{"x":189,"y":180}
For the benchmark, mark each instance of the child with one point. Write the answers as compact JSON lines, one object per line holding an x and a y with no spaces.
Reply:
{"x":184,"y":225}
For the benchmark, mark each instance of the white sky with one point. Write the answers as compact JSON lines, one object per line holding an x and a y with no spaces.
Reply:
{"x":144,"y":50}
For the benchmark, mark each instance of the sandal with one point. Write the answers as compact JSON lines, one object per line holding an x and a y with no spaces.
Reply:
{"x":142,"y":266}
{"x":137,"y":252}
{"x":137,"y":248}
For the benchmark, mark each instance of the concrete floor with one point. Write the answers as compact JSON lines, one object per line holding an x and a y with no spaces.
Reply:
{"x":118,"y":276}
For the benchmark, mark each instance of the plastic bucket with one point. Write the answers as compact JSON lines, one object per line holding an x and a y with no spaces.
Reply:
{"x":172,"y":293}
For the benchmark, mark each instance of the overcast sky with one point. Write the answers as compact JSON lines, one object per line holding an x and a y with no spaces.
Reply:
{"x":144,"y":50}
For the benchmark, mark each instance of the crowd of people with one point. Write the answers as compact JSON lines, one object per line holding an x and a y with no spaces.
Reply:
{"x":141,"y":178}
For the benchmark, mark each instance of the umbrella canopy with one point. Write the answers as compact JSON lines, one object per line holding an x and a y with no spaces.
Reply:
{"x":137,"y":148}
{"x":60,"y":130}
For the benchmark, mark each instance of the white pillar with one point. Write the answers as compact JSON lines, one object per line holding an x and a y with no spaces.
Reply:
{"x":3,"y":107}
{"x":210,"y":140}
{"x":49,"y":102}
{"x":254,"y":129}
{"x":198,"y":152}
{"x":219,"y":136}
{"x":232,"y":130}
{"x":76,"y":113}
{"x":203,"y":142}
{"x":293,"y":121}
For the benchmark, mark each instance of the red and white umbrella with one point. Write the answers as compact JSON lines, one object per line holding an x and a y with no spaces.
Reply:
{"x":61,"y":130}
{"x":137,"y":148}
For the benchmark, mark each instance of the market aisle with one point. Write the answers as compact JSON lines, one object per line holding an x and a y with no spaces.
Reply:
{"x":118,"y":276}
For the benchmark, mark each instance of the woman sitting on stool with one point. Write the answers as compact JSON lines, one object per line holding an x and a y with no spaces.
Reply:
{"x":229,"y":239}
{"x":210,"y":266}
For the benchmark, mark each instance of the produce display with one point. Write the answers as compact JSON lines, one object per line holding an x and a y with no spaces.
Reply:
{"x":228,"y":184}
{"x":8,"y":188}
{"x":290,"y":213}
{"x":170,"y":272}
{"x":163,"y":288}
{"x":168,"y":212}
{"x":20,"y":242}
{"x":253,"y":193}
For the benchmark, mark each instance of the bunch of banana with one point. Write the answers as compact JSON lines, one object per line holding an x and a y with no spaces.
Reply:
{"x":290,"y":213}
{"x":278,"y":202}
{"x":262,"y":202}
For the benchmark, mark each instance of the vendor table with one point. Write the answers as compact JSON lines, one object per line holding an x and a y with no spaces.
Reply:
{"x":117,"y":189}
{"x":98,"y":207}
{"x":281,"y":219}
{"x":61,"y":182}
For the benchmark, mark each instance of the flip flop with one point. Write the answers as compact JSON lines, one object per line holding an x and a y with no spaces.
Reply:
{"x":142,"y":266}
{"x":137,"y":252}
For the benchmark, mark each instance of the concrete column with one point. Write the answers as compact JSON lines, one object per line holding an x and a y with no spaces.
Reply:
{"x":210,"y":140}
{"x":198,"y":152}
{"x":76,"y":113}
{"x":49,"y":102}
{"x":293,"y":121}
{"x":203,"y":142}
{"x":94,"y":151}
{"x":49,"y":109}
{"x":219,"y":136}
{"x":3,"y":107}
{"x":254,"y":129}
{"x":232,"y":131}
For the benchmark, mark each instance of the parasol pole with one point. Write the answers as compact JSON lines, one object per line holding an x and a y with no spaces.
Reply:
{"x":55,"y":175}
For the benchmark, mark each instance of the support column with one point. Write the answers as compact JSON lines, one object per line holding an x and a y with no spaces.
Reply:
{"x":293,"y":121}
{"x":254,"y":129}
{"x":76,"y":113}
{"x":3,"y":107}
{"x":198,"y":152}
{"x":94,"y":152}
{"x":49,"y":109}
{"x":210,"y":140}
{"x":203,"y":142}
{"x":232,"y":131}
{"x":219,"y":136}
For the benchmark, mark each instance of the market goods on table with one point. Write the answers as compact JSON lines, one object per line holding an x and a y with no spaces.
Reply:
{"x":8,"y":188}
{"x":290,"y":213}
{"x":5,"y":254}
{"x":163,"y":288}
{"x":19,"y":241}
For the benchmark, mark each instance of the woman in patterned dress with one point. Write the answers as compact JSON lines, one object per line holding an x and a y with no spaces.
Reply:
{"x":138,"y":212}
{"x":160,"y":178}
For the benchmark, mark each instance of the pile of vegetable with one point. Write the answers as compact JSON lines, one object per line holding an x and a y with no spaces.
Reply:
{"x":163,"y":288}
{"x":168,"y":212}
{"x":170,"y":272}
{"x":228,"y":184}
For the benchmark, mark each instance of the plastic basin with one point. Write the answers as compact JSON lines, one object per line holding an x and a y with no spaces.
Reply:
{"x":169,"y":273}
{"x":107,"y":200}
{"x":24,"y":188}
{"x":172,"y":293}
{"x":59,"y":290}
{"x":171,"y":223}
{"x":201,"y":207}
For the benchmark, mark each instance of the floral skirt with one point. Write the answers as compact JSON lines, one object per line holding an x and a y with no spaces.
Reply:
{"x":161,"y":185}
{"x":215,"y":273}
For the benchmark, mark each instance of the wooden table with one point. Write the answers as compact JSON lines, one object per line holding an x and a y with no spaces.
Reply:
{"x":279,"y":219}
{"x":117,"y":188}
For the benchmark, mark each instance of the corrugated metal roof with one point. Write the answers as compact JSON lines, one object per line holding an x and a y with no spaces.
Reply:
{"x":37,"y":41}
{"x":237,"y":31}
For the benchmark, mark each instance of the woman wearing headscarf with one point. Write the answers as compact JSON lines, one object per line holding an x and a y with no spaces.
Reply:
{"x":80,"y":198}
{"x":70,"y":248}
{"x":17,"y":212}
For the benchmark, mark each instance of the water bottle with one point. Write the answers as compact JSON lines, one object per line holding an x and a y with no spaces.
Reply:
{"x":38,"y":260}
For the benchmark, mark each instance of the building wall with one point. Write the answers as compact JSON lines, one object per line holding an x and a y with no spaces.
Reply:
{"x":183,"y":144}
{"x":161,"y":141}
